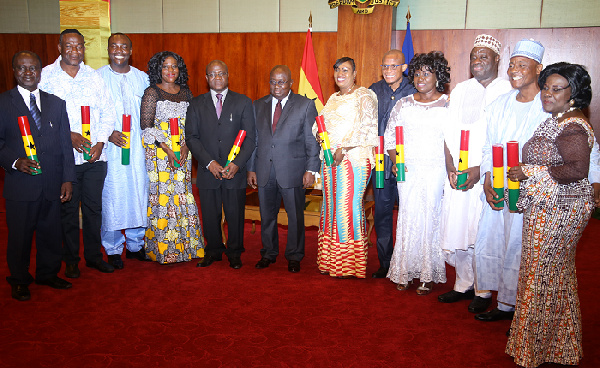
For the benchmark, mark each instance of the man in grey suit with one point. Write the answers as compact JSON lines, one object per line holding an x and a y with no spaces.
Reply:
{"x":283,"y":165}
{"x":212,"y":124}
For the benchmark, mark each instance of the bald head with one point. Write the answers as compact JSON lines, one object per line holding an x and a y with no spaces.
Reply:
{"x":216,"y":62}
{"x":282,"y":69}
{"x":394,"y":54}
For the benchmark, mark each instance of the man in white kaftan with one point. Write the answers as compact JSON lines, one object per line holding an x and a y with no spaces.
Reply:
{"x":461,"y":209}
{"x":512,"y":117}
{"x":125,"y":194}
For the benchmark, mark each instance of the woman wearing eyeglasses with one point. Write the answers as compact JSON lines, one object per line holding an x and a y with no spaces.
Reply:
{"x":417,"y":251}
{"x":173,"y":233}
{"x":351,"y":123}
{"x":557,"y":201}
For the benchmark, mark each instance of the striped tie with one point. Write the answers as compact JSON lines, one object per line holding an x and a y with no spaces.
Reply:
{"x":35,"y":112}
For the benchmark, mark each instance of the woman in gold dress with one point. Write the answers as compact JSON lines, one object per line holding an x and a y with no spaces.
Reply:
{"x":173,"y":233}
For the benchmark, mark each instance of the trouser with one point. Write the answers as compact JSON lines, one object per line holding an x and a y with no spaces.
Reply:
{"x":112,"y":240}
{"x":385,"y":199}
{"x":270,"y":197}
{"x":87,"y":191}
{"x":462,"y":261}
{"x":212,"y":203}
{"x":23,"y":218}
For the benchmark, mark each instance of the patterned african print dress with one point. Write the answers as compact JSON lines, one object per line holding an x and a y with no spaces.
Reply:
{"x":173,"y":233}
{"x":417,"y":251}
{"x":351,"y":121}
{"x":557,"y":201}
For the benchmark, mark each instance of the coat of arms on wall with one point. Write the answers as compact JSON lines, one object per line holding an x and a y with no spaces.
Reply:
{"x":362,"y":6}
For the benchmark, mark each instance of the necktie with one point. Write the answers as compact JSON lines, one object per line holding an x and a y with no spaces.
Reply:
{"x":35,"y":112}
{"x":219,"y":105}
{"x":276,"y":115}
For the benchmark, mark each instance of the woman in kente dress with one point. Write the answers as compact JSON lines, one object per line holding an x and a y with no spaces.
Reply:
{"x":417,"y":251}
{"x":557,"y":200}
{"x":351,"y":123}
{"x":173,"y":233}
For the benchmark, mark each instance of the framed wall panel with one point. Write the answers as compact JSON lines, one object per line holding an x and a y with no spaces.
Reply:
{"x":249,"y":16}
{"x":432,"y":14}
{"x":191,"y":16}
{"x":572,"y":13}
{"x":14,"y":16}
{"x":44,"y":16}
{"x":294,"y":16}
{"x":503,"y":14}
{"x":136,"y":16}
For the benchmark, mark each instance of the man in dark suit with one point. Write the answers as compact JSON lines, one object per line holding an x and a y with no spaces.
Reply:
{"x":283,"y":165}
{"x":213,"y":122}
{"x":33,"y":200}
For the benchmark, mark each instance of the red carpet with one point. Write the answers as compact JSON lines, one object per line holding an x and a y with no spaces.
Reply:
{"x":148,"y":315}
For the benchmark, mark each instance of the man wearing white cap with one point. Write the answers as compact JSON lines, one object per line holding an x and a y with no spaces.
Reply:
{"x":514,"y":116}
{"x":462,"y":206}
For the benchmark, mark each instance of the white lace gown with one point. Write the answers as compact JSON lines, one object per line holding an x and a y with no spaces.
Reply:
{"x":417,"y":252}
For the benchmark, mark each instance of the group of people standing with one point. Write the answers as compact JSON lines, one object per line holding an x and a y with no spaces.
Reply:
{"x":527,"y":255}
{"x":147,"y":204}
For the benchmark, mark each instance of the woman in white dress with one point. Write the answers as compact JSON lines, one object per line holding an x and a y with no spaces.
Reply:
{"x":417,"y":253}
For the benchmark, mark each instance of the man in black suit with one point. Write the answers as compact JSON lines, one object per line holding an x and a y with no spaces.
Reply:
{"x":283,"y":165}
{"x":33,"y":200}
{"x":213,"y":122}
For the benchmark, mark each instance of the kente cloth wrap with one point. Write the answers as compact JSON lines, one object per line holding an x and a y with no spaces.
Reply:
{"x":351,"y":121}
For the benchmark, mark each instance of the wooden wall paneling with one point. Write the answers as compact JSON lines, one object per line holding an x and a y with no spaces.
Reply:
{"x":365,"y":38}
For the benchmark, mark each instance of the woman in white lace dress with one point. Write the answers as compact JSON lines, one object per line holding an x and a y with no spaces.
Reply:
{"x":417,"y":253}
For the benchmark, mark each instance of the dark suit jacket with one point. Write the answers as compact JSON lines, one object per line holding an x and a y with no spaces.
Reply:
{"x":209,"y":138}
{"x":53,"y":146}
{"x":292,"y":149}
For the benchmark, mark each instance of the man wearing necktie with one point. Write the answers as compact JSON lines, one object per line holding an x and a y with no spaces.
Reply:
{"x":283,"y":165}
{"x":33,"y":201}
{"x":213,"y":122}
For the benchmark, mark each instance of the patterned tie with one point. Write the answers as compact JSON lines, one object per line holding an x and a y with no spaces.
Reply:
{"x":219,"y":105}
{"x":276,"y":115}
{"x":35,"y":112}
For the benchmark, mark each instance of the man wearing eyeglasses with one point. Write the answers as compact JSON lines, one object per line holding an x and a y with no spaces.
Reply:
{"x":283,"y":165}
{"x":214,"y":119}
{"x":388,"y":90}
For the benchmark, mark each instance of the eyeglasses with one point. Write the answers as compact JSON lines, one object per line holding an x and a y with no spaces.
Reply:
{"x":392,"y":67}
{"x":277,"y":83}
{"x":554,"y":89}
{"x":217,"y":74}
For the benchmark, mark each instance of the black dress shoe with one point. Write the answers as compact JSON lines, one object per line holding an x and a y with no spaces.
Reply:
{"x":207,"y":261}
{"x":101,"y":266}
{"x":454,"y":296}
{"x":294,"y":266}
{"x":140,"y":255}
{"x":381,"y":273}
{"x":115,"y":261}
{"x":20,"y":292}
{"x":479,"y":304}
{"x":72,"y":271}
{"x":263,"y":263}
{"x":55,"y":282}
{"x":494,"y":315}
{"x":235,"y":263}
